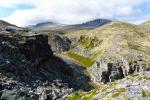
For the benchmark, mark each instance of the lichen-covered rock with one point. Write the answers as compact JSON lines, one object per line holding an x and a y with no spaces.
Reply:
{"x":19,"y":54}
{"x":109,"y":70}
{"x":134,"y":87}
{"x":49,"y":91}
{"x":27,"y":63}
{"x":59,"y":43}
{"x":36,"y":48}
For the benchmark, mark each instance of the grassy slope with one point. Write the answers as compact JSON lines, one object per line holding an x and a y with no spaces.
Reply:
{"x":85,"y":61}
{"x":115,"y":39}
{"x":145,"y":26}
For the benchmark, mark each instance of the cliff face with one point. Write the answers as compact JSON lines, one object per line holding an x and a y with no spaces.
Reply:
{"x":58,"y":42}
{"x":27,"y":63}
{"x":108,"y":71}
{"x":19,"y":54}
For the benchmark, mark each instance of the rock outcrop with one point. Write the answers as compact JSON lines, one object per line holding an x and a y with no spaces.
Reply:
{"x":109,"y":71}
{"x":14,"y":90}
{"x":28,"y":63}
{"x":133,"y":87}
{"x":59,"y":43}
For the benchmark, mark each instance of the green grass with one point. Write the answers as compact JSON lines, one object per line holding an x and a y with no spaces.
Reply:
{"x":84,"y":61}
{"x":90,"y":43}
{"x":74,"y":96}
{"x":148,"y":69}
{"x":82,"y":96}
{"x":23,"y":33}
{"x":109,"y":86}
{"x":145,"y":94}
{"x":144,"y":78}
{"x":118,"y":92}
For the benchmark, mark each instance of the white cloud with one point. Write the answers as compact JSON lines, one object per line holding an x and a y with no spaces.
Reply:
{"x":72,"y":11}
{"x":11,"y":3}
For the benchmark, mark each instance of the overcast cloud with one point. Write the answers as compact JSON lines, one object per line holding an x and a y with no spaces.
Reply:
{"x":74,"y":11}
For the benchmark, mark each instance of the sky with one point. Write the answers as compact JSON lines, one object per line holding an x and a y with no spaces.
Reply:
{"x":30,"y":12}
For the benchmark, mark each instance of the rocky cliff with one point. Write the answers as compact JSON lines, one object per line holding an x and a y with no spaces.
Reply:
{"x":29,"y":70}
{"x":58,"y":42}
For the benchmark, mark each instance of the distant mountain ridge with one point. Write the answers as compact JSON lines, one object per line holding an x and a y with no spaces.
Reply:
{"x":48,"y":26}
{"x":95,"y":23}
{"x":43,"y":24}
{"x":5,"y":24}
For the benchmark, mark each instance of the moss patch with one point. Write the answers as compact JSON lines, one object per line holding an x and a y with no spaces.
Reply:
{"x":145,"y":94}
{"x":118,"y":92}
{"x":144,"y":78}
{"x":85,"y":61}
{"x":82,"y":96}
{"x":90,"y":43}
{"x":74,"y":96}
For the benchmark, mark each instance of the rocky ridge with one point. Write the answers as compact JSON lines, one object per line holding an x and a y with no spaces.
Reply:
{"x":29,"y":69}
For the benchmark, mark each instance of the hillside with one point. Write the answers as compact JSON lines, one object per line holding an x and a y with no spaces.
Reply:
{"x":4,"y":24}
{"x":110,"y":53}
{"x":145,"y":25}
{"x":108,"y":62}
{"x":111,"y":40}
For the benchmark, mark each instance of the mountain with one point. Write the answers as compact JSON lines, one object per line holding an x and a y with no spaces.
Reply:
{"x":94,"y":23}
{"x":4,"y":24}
{"x":45,"y":26}
{"x":50,"y":26}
